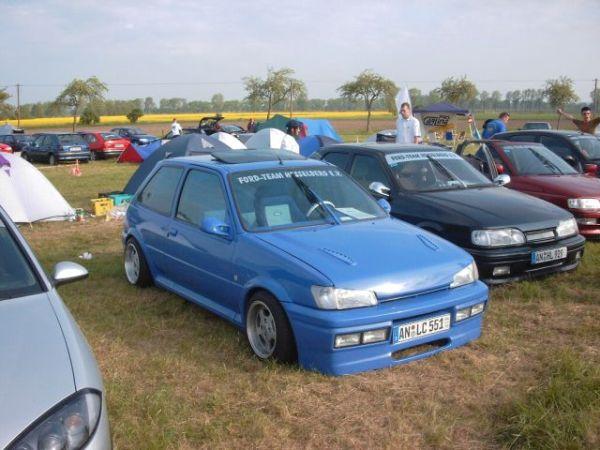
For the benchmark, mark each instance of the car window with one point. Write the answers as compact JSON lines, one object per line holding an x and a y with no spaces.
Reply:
{"x":70,"y":139}
{"x":202,"y":197}
{"x":558,"y":146}
{"x":536,"y":160}
{"x":589,"y":146}
{"x":366,"y":170}
{"x":158,"y":194}
{"x":338,"y":159}
{"x":110,"y":136}
{"x":17,"y":277}
{"x":520,"y":138}
{"x":90,"y":138}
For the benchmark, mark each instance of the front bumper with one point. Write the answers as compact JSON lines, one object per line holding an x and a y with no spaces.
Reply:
{"x":589,"y":230}
{"x":315,"y":330}
{"x":518,"y":259}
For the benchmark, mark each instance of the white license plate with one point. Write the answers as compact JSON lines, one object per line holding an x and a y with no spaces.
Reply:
{"x":419,"y":328}
{"x":75,"y":149}
{"x":553,"y":254}
{"x":119,"y":146}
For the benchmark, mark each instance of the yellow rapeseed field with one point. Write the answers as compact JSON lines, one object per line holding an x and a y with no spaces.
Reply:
{"x":194,"y":117}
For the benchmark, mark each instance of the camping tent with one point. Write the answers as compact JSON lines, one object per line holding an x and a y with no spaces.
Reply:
{"x":136,"y":153}
{"x":320,"y":127}
{"x":229,"y":140}
{"x":9,"y":129}
{"x":445,"y":123}
{"x":27,"y":195}
{"x":277,"y":121}
{"x":188,"y":144}
{"x":311,"y":144}
{"x":273,"y":138}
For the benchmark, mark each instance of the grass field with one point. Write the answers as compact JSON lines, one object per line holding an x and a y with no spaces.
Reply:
{"x":179,"y":377}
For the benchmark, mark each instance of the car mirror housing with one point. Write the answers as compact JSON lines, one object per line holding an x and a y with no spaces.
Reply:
{"x":379,"y":189}
{"x":68,"y":272}
{"x":591,"y":169}
{"x":570,"y":160}
{"x":212,"y":225}
{"x":385,"y":205}
{"x":502,"y":179}
{"x":500,"y":168}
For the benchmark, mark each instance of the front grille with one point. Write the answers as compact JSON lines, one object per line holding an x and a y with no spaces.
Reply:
{"x":420,"y":349}
{"x":541,"y":235}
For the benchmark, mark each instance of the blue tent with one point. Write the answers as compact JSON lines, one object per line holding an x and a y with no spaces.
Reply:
{"x":310,"y":144}
{"x":320,"y":127}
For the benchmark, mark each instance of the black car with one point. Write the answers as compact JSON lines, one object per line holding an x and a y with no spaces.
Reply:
{"x":511,"y":235}
{"x":134,"y":134}
{"x":18,"y":142}
{"x":580,"y":150}
{"x":57,"y":147}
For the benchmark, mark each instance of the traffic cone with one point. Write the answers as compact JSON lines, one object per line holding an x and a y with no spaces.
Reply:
{"x":76,"y":171}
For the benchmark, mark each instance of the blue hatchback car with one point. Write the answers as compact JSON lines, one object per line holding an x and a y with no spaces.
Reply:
{"x":300,"y":257}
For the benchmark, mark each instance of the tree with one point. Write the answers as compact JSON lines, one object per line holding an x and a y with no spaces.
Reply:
{"x":495,"y":99}
{"x":149,"y":105}
{"x":484,"y":97}
{"x":416,"y":97}
{"x":78,"y":92}
{"x":6,"y":110}
{"x":271,"y":91}
{"x":89,"y":116}
{"x":560,"y":92}
{"x":297,"y":91}
{"x":459,"y":91}
{"x":368,"y":86}
{"x":134,"y":115}
{"x":217,"y":101}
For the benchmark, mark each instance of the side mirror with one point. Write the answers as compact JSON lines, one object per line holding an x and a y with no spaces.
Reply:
{"x":385,"y":205}
{"x":569,"y":159}
{"x":67,"y":272}
{"x":501,"y":180}
{"x":380,"y":189}
{"x":212,"y":225}
{"x":591,"y":169}
{"x":500,"y":168}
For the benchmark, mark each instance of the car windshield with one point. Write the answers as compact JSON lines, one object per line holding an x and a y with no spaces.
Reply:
{"x":70,"y":139}
{"x":23,"y":138}
{"x":536,"y":160}
{"x":110,"y":136}
{"x":589,"y":146}
{"x":296,"y":197}
{"x":17,"y":278}
{"x":434,"y":171}
{"x":134,"y":130}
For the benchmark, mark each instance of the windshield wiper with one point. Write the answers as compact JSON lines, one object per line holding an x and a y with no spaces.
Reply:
{"x":447,"y":171}
{"x":314,"y":198}
{"x":547,"y":162}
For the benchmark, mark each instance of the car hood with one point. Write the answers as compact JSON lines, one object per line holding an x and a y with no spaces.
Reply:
{"x":36,"y":372}
{"x":388,"y":256}
{"x":495,"y":207}
{"x":572,"y":186}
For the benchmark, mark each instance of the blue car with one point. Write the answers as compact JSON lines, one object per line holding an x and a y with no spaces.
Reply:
{"x":301,"y":257}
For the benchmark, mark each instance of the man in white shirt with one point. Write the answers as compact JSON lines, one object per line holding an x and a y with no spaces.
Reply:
{"x":175,"y":128}
{"x":408,"y":128}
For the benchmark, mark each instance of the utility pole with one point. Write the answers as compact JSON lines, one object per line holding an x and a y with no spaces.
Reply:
{"x":18,"y":105}
{"x":596,"y":96}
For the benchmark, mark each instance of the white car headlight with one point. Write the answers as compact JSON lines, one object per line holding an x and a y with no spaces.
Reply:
{"x":68,"y":426}
{"x":469,"y":274}
{"x":567,"y":228}
{"x":497,"y":238}
{"x":584,"y":203}
{"x":334,"y":298}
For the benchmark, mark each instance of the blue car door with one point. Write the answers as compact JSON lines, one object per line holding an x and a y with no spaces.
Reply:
{"x":203,"y":259}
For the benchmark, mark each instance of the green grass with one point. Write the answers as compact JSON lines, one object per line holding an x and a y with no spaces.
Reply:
{"x":179,"y":377}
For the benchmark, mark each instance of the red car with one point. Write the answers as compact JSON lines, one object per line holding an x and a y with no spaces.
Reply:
{"x":535,"y":170}
{"x":104,"y":144}
{"x":4,"y":148}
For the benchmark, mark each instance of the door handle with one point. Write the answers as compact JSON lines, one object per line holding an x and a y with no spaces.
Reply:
{"x":171,"y":232}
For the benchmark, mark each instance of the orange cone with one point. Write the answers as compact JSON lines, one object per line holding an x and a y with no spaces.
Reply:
{"x":76,"y":171}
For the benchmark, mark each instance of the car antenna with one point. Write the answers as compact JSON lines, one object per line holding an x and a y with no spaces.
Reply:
{"x":279,"y":158}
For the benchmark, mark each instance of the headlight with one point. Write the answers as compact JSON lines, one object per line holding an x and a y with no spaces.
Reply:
{"x":68,"y":426}
{"x":584,"y":203}
{"x":497,"y":238}
{"x":333,"y":298}
{"x":566,"y":228}
{"x":465,"y":276}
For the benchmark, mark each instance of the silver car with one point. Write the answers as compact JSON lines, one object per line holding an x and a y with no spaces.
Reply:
{"x":51,"y":394}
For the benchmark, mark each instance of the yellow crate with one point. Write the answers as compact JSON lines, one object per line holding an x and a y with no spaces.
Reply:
{"x":101,"y":206}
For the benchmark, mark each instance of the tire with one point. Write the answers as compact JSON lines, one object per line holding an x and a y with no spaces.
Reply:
{"x":93,"y":156}
{"x":134,"y":263}
{"x":268,"y":330}
{"x":52,"y":159}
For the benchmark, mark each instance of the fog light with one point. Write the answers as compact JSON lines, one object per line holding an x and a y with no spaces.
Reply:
{"x":477,"y":309}
{"x":578,"y":255}
{"x":501,"y":270}
{"x":347,"y":340}
{"x":368,"y":337}
{"x":587,"y":221}
{"x":463,"y":313}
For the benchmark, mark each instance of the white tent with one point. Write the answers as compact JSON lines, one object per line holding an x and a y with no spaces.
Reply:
{"x":229,"y":140}
{"x":27,"y":195}
{"x":273,"y":138}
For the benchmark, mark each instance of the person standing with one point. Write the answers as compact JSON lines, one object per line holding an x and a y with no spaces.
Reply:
{"x":251,"y":127}
{"x":175,"y":128}
{"x":496,"y":126}
{"x":587,"y":124}
{"x":408,"y":128}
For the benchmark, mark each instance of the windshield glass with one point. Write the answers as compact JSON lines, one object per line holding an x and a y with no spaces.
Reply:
{"x":536,"y":160}
{"x":434,"y":171}
{"x":134,"y":130}
{"x":70,"y":139}
{"x":294,"y":197}
{"x":16,"y":276}
{"x":589,"y":146}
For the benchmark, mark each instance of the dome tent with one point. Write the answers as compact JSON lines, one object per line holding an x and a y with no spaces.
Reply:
{"x":273,"y":138}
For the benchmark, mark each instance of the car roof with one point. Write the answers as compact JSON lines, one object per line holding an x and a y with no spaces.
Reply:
{"x":565,"y":133}
{"x":387,"y":148}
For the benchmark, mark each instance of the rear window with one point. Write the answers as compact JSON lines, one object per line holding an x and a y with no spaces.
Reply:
{"x":110,"y":136}
{"x":70,"y":139}
{"x":160,"y":190}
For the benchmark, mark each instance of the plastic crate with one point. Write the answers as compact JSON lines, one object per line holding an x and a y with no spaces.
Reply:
{"x":101,"y":206}
{"x":119,"y":199}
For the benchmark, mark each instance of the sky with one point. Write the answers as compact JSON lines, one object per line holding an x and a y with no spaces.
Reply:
{"x":194,"y":49}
